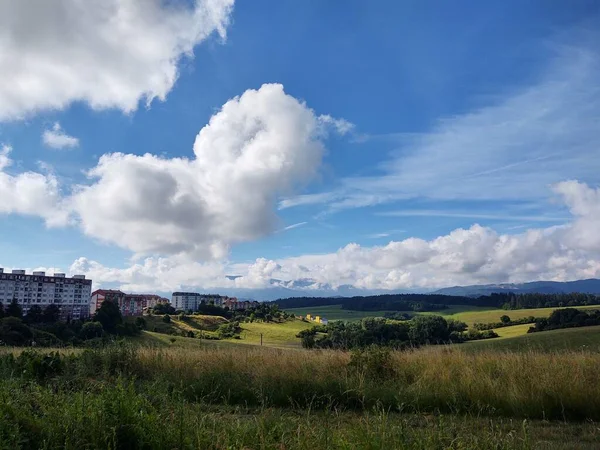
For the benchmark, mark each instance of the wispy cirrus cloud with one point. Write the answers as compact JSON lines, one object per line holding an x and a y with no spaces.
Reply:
{"x":295,"y":225}
{"x":522,"y":142}
{"x":384,"y":234}
{"x":471,"y":215}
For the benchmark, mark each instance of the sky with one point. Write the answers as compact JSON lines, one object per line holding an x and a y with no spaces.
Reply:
{"x":314,"y":146}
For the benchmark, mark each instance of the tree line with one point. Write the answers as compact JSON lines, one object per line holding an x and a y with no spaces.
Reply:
{"x":566,"y":318}
{"x":44,"y":327}
{"x":436,"y":302}
{"x":376,"y":331}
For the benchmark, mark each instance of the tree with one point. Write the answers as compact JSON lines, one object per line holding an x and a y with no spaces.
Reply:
{"x":429,"y":329}
{"x":91,"y":330}
{"x":163,"y":308}
{"x":14,"y":310}
{"x":109,"y":316}
{"x":505,"y":319}
{"x":34,"y":315}
{"x":51,"y":314}
{"x":14,"y":332}
{"x":140,"y":322}
{"x":456,"y":325}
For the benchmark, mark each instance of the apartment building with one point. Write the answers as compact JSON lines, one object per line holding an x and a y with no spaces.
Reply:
{"x":129,"y":304}
{"x":235,"y":305}
{"x":71,"y":295}
{"x":191,"y":301}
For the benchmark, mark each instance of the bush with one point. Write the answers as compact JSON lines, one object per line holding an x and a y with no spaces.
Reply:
{"x":140,"y":322}
{"x":166,"y":318}
{"x":229,"y":330}
{"x":91,"y":330}
{"x":373,"y":362}
{"x":14,"y":332}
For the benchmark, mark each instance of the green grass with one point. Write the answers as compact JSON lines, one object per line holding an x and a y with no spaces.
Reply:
{"x":584,"y":338}
{"x":472,"y":316}
{"x":274,"y":334}
{"x":464,"y":313}
{"x":335,"y":312}
{"x":512,"y":331}
{"x":122,"y":418}
{"x":242,"y":397}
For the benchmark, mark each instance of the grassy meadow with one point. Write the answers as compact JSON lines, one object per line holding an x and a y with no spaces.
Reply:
{"x":473,"y":316}
{"x":241,"y":397}
{"x":568,"y":339}
{"x":165,"y":391}
{"x":468,"y":314}
{"x":273,"y":334}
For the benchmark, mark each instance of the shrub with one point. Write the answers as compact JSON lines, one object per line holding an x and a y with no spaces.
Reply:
{"x":91,"y":330}
{"x":14,"y":310}
{"x":228,"y":330}
{"x":373,"y":362}
{"x":14,"y":332}
{"x":140,"y":322}
{"x":166,"y":318}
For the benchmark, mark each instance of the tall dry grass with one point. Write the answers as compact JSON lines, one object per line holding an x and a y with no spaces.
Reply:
{"x":226,"y":398}
{"x":535,"y":385}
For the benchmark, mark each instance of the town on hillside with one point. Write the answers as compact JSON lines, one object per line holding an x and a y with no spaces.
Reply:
{"x":75,"y":299}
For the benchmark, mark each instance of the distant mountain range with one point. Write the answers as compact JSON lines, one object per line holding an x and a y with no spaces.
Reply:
{"x":307,"y":287}
{"x":591,"y":286}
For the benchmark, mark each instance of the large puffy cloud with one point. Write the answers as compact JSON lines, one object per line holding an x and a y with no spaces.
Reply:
{"x":464,"y":256}
{"x":30,"y":193}
{"x":258,"y":146}
{"x":109,"y":54}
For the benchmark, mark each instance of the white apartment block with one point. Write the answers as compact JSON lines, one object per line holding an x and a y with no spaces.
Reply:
{"x":71,"y":295}
{"x":191,"y":301}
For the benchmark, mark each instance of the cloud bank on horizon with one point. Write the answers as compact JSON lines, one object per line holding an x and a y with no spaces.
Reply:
{"x":260,"y":156}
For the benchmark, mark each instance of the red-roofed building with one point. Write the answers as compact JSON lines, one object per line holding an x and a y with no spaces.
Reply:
{"x":129,"y":304}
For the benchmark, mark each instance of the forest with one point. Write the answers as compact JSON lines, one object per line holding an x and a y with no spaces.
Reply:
{"x":437,"y":302}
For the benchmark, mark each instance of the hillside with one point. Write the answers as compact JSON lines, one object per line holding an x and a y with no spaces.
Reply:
{"x":568,"y":339}
{"x":591,"y":286}
{"x":195,"y":323}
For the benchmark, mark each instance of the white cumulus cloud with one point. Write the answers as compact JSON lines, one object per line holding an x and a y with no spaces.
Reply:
{"x":58,"y":139}
{"x":258,"y":146}
{"x":108,"y":54}
{"x":464,"y":256}
{"x":30,"y":193}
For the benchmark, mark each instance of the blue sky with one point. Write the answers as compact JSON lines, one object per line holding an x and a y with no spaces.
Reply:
{"x":463,"y":114}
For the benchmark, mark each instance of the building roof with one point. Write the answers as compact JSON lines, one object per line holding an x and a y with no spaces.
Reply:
{"x":107,"y":291}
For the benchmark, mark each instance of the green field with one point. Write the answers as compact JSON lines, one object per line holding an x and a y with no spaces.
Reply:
{"x":273,"y":334}
{"x":584,"y":338}
{"x":227,"y":397}
{"x":468,"y":314}
{"x":335,"y":312}
{"x":472,"y":316}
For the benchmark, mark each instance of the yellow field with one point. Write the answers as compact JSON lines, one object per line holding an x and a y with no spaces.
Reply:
{"x":515,"y":330}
